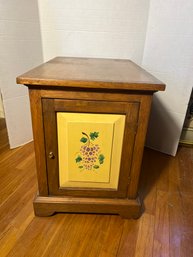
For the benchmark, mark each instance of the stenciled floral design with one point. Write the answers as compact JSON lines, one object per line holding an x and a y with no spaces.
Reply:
{"x":90,"y":156}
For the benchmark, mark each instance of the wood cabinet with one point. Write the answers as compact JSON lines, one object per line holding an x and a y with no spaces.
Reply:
{"x":89,"y":118}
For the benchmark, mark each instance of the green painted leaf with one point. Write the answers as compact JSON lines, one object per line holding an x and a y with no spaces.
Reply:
{"x":95,"y":166}
{"x":80,"y":167}
{"x":83,"y":140}
{"x":78,"y":159}
{"x":94,"y":135}
{"x":101,"y":158}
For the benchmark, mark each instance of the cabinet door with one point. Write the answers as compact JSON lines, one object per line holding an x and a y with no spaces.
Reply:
{"x":89,"y":146}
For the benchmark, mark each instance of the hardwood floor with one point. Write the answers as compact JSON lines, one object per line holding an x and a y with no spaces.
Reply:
{"x":164,"y":229}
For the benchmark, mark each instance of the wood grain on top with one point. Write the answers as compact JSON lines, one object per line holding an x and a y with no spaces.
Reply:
{"x":91,"y":73}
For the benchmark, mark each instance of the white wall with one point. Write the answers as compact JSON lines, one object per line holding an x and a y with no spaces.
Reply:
{"x":90,"y":28}
{"x":168,"y":54}
{"x":20,"y":50}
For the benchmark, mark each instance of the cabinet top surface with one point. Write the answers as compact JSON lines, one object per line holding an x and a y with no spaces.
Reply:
{"x":91,"y":73}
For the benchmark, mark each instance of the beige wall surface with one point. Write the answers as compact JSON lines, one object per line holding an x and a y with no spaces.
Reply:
{"x":168,"y":54}
{"x":90,"y":28}
{"x":20,"y":50}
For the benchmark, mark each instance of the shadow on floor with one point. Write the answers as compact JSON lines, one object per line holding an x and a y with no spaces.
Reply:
{"x":154,"y":166}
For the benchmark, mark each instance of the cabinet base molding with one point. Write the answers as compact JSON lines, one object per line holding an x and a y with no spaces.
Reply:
{"x":126,"y":208}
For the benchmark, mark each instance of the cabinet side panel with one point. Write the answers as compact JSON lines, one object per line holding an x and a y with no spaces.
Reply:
{"x":139,"y":144}
{"x":39,"y":144}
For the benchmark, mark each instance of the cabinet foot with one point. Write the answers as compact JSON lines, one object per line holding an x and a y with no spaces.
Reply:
{"x":42,"y":212}
{"x":126,"y":208}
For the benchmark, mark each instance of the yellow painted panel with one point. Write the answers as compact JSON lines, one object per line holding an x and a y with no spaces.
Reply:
{"x":89,"y":149}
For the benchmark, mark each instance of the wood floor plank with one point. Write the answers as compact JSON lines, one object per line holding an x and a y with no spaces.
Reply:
{"x":91,"y":244}
{"x":176,"y":224}
{"x":36,"y":237}
{"x":83,"y":238}
{"x":161,"y":229}
{"x":176,"y":216}
{"x":144,"y":244}
{"x":129,"y":237}
{"x":112,"y":237}
{"x":16,"y":216}
{"x":13,"y":206}
{"x":14,"y":179}
{"x":12,"y":235}
{"x":185,"y":165}
{"x":12,"y":157}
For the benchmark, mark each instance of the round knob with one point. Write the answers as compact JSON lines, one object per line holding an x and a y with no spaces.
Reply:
{"x":51,"y":155}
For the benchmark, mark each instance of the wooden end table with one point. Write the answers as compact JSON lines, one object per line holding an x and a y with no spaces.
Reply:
{"x":89,"y":118}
